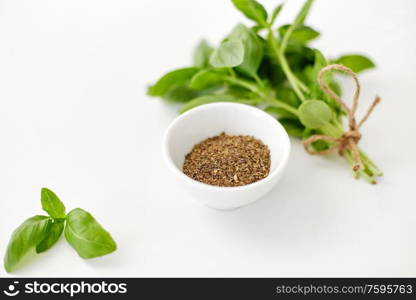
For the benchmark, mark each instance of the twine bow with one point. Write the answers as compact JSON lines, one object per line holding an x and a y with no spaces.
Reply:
{"x":350,"y":138}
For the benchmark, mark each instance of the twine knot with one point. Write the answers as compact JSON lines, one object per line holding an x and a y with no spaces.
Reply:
{"x":344,"y":141}
{"x":349,"y":139}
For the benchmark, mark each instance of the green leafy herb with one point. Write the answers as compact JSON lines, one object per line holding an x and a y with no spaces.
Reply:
{"x":181,"y":93}
{"x":293,"y":127}
{"x":207,"y":99}
{"x":301,"y":34}
{"x":229,"y":54}
{"x":86,"y":235}
{"x":25,"y":238}
{"x":275,"y":13}
{"x":315,"y":114}
{"x":202,"y":53}
{"x":40,"y":233}
{"x":357,"y":63}
{"x":52,"y":234}
{"x":252,"y":10}
{"x":274,"y":68}
{"x":172,"y":80}
{"x":205,"y":79}
{"x":253,"y":50}
{"x":280,"y":113}
{"x":51,"y":204}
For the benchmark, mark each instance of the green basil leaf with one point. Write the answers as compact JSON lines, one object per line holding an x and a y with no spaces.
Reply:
{"x":253,"y":49}
{"x":299,"y":56}
{"x":320,"y":145}
{"x":271,"y":70}
{"x":205,"y":100}
{"x":172,"y":80}
{"x":229,"y":54}
{"x":316,"y":90}
{"x":335,"y":86}
{"x":86,"y":235}
{"x":303,"y":13}
{"x":357,"y":63}
{"x":206,"y":79}
{"x":293,"y":127}
{"x":27,"y":236}
{"x":288,"y":96}
{"x":312,"y":74}
{"x":280,"y":113}
{"x":185,"y":93}
{"x":308,"y":132}
{"x":239,"y":92}
{"x":275,"y":13}
{"x":315,"y":114}
{"x":180,"y":93}
{"x":256,"y":28}
{"x":52,"y":234}
{"x":202,"y":54}
{"x":51,"y":204}
{"x":300,"y":18}
{"x":252,"y":10}
{"x":301,"y":34}
{"x":320,"y":62}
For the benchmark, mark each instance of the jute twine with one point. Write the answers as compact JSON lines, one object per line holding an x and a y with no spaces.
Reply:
{"x":350,"y":138}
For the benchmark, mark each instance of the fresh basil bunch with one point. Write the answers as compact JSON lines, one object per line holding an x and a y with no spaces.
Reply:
{"x":80,"y":228}
{"x":270,"y":67}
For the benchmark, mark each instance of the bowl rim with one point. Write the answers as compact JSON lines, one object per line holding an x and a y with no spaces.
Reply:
{"x":279,"y":168}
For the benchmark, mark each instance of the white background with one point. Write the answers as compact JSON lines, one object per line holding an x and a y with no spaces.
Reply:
{"x":74,"y":117}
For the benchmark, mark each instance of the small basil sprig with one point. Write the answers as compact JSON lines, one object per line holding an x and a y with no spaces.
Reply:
{"x":41,"y":233}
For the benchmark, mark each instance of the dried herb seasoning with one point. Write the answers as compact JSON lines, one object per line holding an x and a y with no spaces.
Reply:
{"x":228,"y":160}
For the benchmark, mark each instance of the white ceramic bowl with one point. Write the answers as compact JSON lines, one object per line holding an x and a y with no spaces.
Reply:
{"x":209,"y":120}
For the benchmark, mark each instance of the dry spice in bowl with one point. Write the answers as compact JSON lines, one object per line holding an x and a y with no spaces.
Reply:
{"x":186,"y":151}
{"x":228,"y":160}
